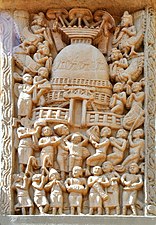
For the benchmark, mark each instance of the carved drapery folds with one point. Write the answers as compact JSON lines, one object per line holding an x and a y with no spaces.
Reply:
{"x":79,"y":113}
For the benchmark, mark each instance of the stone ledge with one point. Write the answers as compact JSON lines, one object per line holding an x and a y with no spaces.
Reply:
{"x":76,"y":220}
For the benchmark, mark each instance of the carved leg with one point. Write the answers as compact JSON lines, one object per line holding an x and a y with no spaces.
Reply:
{"x":60,"y":211}
{"x":41,"y":210}
{"x":22,"y":168}
{"x":91,"y":211}
{"x":99,"y":211}
{"x":124,"y":210}
{"x":133,"y":210}
{"x":79,"y":210}
{"x":118,"y":210}
{"x":106,"y":210}
{"x":24,"y":211}
{"x":31,"y":210}
{"x":54,"y":211}
{"x":63,"y":175}
{"x":46,"y":208}
{"x":72,"y":210}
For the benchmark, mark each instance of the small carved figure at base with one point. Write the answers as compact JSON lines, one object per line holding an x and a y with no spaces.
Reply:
{"x":112,"y":188}
{"x":97,"y":195}
{"x":77,"y":187}
{"x":21,"y":185}
{"x":38,"y":183}
{"x":56,"y":195}
{"x":132,"y":183}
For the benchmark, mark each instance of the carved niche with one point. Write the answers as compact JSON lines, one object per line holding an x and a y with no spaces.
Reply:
{"x":79,"y":113}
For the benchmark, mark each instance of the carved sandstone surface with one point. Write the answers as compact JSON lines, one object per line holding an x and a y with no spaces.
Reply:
{"x":79,"y":113}
{"x":80,"y":60}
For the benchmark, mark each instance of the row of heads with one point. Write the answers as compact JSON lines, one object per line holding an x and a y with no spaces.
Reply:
{"x":78,"y":171}
{"x":62,"y":129}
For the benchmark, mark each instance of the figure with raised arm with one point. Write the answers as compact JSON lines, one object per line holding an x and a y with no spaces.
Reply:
{"x":21,"y":185}
{"x":77,"y":152}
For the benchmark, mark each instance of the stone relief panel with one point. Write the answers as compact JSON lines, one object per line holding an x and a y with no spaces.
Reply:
{"x":79,"y":113}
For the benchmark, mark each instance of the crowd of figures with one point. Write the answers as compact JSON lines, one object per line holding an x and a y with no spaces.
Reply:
{"x":97,"y":170}
{"x":65,"y":165}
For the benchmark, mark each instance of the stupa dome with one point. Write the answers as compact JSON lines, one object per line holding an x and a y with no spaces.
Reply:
{"x":80,"y":60}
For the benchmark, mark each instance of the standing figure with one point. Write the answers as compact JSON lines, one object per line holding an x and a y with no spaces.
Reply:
{"x":97,"y":195}
{"x":48,"y":144}
{"x":25,"y":90}
{"x":21,"y":185}
{"x":62,"y":150}
{"x":118,"y":99}
{"x":101,"y":147}
{"x":112,"y":188}
{"x":42,"y":86}
{"x":132,"y":183}
{"x":119,"y":146}
{"x":56,"y":188}
{"x":77,"y":152}
{"x":26,"y":144}
{"x":137,"y":144}
{"x":77,"y":187}
{"x":38,"y":184}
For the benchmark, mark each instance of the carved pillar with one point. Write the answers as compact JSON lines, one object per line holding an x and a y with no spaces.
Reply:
{"x":150,"y":76}
{"x":6,"y":24}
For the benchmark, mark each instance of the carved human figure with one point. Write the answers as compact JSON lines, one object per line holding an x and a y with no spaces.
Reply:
{"x":119,"y":146}
{"x":62,"y":150}
{"x":97,"y":195}
{"x":38,"y":23}
{"x":126,"y":37}
{"x":118,"y":99}
{"x":132,"y":183}
{"x":38,"y":27}
{"x":56,"y":188}
{"x":77,"y":187}
{"x":117,"y":66}
{"x":43,"y":56}
{"x":136,"y":152}
{"x":112,"y":188}
{"x":48,"y":143}
{"x":22,"y":184}
{"x":101,"y":146}
{"x":25,"y":90}
{"x":137,"y":95}
{"x":42,"y":86}
{"x":27,"y":143}
{"x":40,"y":199}
{"x":135,"y":117}
{"x":125,"y":71}
{"x":77,"y":152}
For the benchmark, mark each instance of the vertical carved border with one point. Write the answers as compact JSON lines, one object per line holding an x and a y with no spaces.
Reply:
{"x":150,"y":106}
{"x":6,"y":40}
